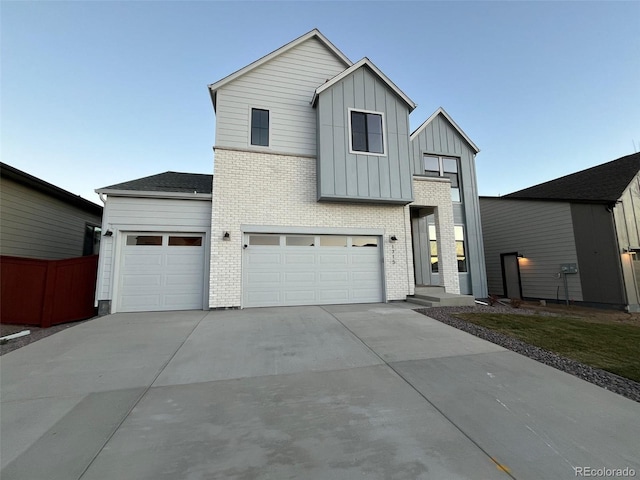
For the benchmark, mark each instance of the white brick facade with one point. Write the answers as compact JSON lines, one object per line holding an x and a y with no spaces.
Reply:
{"x":252,"y":188}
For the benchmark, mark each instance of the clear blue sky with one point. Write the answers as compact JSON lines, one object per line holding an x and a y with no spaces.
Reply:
{"x":96,"y":93}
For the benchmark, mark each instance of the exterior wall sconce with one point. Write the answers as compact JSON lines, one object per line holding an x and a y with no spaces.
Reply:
{"x":393,"y":238}
{"x":108,"y":233}
{"x":521,"y":255}
{"x":226,"y":237}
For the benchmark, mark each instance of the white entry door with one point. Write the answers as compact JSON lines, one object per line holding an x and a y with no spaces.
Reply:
{"x":161,"y":271}
{"x":311,"y":269}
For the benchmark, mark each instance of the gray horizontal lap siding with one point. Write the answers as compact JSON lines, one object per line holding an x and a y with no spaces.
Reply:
{"x":284,"y":86}
{"x":542,"y":232}
{"x":360,"y":177}
{"x":36,"y":225}
{"x":440,"y":138}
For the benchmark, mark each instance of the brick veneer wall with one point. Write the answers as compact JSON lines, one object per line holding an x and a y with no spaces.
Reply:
{"x":251,"y":188}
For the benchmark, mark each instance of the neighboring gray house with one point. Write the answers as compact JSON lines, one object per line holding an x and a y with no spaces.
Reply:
{"x":40,"y":220}
{"x":589,"y":219}
{"x":320,"y":194}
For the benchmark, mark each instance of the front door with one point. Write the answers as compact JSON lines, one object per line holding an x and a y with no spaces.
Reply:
{"x":511,"y":275}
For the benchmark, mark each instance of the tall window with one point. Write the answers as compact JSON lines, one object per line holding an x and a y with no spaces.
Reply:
{"x":435,"y":166}
{"x":259,"y":127}
{"x":366,"y":132}
{"x":461,"y":255}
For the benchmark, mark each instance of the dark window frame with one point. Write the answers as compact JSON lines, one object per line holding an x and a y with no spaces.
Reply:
{"x":364,"y":141}
{"x":259,"y":127}
{"x":454,"y":177}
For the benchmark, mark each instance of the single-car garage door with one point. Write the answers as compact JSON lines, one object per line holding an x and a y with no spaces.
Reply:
{"x":161,"y":271}
{"x":311,"y":269}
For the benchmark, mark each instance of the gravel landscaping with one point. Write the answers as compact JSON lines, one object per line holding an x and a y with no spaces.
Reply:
{"x":622,"y":386}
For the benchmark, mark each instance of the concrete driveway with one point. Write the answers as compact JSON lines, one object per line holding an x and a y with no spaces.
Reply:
{"x":336,"y":392}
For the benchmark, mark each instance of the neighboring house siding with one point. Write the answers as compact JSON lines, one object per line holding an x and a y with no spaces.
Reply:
{"x":361,"y":177}
{"x":284,"y":86}
{"x":35,"y":225}
{"x":439,"y":137}
{"x":598,"y":254}
{"x":542,"y":232}
{"x":627,"y":215}
{"x":123,"y":214}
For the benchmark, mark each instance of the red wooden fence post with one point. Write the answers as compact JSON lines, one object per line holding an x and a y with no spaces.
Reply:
{"x":49,"y":295}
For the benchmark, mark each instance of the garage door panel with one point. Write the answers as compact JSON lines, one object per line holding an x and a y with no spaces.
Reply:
{"x":259,"y":258}
{"x":135,"y":259}
{"x":321,"y":274}
{"x":142,"y":280}
{"x":138,"y":302}
{"x":182,"y":281}
{"x":296,"y":278}
{"x":180,"y":301}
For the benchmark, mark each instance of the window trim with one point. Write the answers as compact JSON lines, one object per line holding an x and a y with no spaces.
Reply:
{"x":350,"y":134}
{"x":250,"y":115}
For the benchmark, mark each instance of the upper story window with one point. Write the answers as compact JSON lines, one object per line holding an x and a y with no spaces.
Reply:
{"x":436,"y":166}
{"x":260,"y":127}
{"x":366,"y":132}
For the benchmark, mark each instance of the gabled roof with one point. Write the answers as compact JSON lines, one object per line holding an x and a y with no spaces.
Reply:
{"x":441,"y":111}
{"x":188,"y":184}
{"x":361,"y":63}
{"x":23,"y":178}
{"x":600,"y":184}
{"x":313,"y":33}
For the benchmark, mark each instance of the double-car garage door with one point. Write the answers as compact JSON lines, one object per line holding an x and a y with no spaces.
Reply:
{"x":161,"y":271}
{"x":311,"y":269}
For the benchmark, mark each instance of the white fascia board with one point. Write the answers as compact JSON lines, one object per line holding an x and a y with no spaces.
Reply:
{"x":294,"y":43}
{"x":441,"y":111}
{"x":147,"y":194}
{"x":365,"y":61}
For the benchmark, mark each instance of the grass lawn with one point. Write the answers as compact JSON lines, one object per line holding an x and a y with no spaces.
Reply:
{"x":601,"y":343}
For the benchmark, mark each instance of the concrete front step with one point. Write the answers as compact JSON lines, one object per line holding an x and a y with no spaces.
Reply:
{"x":437,"y":297}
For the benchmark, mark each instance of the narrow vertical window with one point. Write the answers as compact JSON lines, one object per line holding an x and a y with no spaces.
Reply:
{"x":260,"y":127}
{"x":366,"y":132}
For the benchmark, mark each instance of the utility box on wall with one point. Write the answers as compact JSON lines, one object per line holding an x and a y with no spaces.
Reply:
{"x":569,"y":268}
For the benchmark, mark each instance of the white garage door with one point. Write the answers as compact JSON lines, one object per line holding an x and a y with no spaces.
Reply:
{"x":161,"y":271}
{"x":311,"y":270}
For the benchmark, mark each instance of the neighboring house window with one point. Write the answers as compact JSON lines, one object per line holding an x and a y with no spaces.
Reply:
{"x":260,"y":127}
{"x":92,"y":235}
{"x":435,"y":166}
{"x":461,"y":255}
{"x":366,"y":132}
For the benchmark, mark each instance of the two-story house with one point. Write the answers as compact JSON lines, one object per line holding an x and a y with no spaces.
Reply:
{"x":320,"y":195}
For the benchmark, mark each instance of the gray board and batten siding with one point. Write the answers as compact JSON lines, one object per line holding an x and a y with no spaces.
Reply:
{"x":345,"y":176}
{"x":627,"y":217}
{"x":439,"y":137}
{"x":284,"y":86}
{"x":543,"y":232}
{"x":34,"y":224}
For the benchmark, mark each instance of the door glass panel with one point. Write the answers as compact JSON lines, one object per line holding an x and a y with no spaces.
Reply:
{"x":364,"y":241}
{"x":185,"y":241}
{"x":264,"y":240}
{"x":144,"y":239}
{"x":333,"y":241}
{"x":300,"y":241}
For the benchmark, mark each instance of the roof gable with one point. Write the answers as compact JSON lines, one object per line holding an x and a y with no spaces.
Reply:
{"x":365,"y":62}
{"x":315,"y":33}
{"x":600,"y":184}
{"x":441,"y":111}
{"x":167,"y":182}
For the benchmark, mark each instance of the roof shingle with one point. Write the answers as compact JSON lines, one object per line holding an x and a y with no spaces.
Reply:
{"x":167,"y":182}
{"x":600,"y":184}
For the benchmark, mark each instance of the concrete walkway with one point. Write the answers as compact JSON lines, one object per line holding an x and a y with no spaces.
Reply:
{"x":336,"y":392}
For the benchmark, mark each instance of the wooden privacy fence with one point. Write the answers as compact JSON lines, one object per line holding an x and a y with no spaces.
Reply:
{"x":47,"y":292}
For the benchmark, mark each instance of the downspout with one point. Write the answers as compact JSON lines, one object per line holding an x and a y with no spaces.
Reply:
{"x":610,"y":208}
